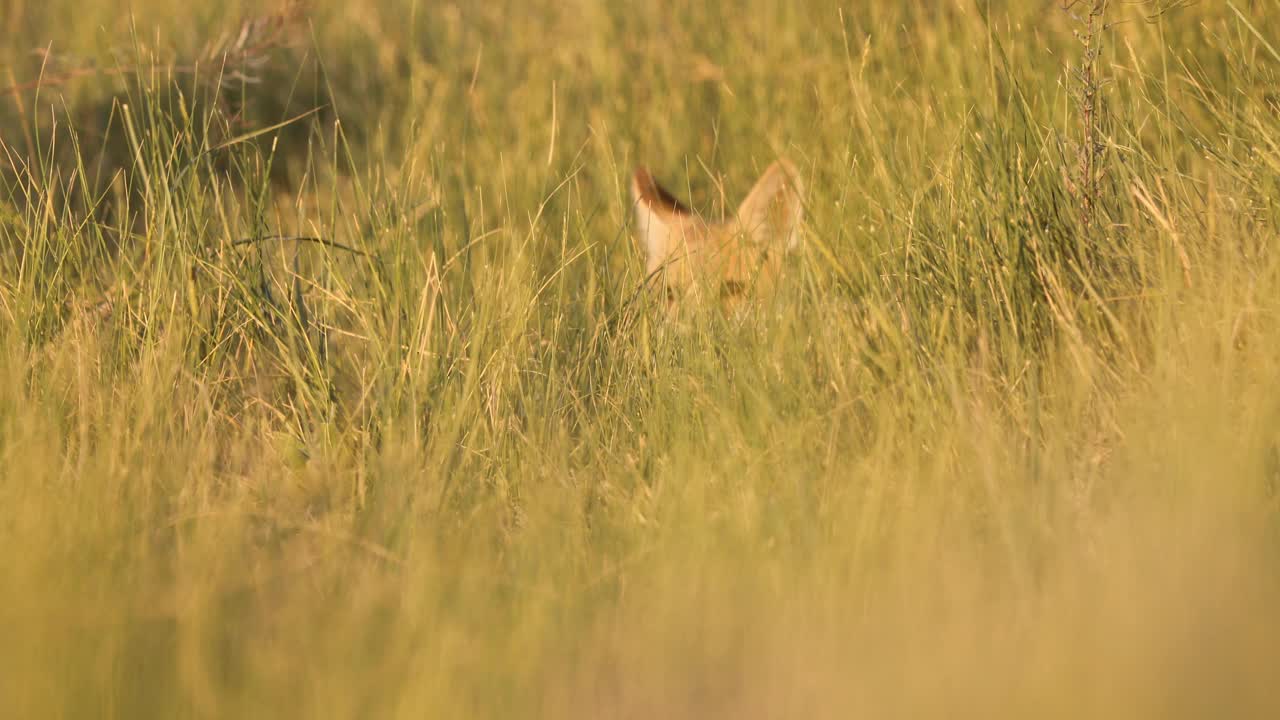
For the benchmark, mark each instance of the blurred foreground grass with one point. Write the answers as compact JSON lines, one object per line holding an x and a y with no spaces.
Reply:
{"x":1005,"y":444}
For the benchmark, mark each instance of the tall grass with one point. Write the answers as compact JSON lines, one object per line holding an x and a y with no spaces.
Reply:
{"x":1005,"y":443}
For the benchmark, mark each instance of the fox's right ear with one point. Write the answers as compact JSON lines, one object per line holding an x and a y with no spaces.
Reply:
{"x":656,"y":212}
{"x":774,"y":207}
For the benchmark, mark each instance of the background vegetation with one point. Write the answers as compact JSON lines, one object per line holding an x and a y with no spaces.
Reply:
{"x":1006,"y":443}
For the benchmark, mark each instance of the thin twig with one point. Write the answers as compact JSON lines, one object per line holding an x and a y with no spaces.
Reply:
{"x":302,"y":238}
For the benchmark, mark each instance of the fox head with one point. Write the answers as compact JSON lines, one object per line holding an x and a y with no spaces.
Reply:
{"x":691,"y":258}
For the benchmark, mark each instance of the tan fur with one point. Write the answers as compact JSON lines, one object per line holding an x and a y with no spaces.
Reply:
{"x":690,"y":258}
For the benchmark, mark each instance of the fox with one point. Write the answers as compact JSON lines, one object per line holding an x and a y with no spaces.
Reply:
{"x":691,"y":260}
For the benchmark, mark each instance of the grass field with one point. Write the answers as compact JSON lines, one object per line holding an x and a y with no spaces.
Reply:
{"x":1004,"y":443}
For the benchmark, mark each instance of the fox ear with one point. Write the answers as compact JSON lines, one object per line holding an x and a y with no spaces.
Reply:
{"x":656,"y":213}
{"x":773,"y":209}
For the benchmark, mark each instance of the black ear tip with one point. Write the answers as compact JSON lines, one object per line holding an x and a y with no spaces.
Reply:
{"x":647,"y":190}
{"x":642,"y":183}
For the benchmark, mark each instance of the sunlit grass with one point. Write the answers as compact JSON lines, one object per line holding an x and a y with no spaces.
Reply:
{"x":991,"y":448}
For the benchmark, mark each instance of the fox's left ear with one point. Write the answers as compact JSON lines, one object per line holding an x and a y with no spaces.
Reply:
{"x":657,"y":211}
{"x":773,"y":209}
